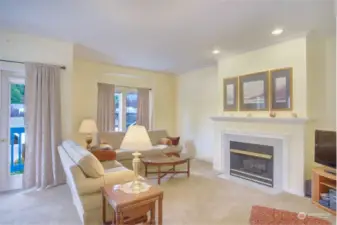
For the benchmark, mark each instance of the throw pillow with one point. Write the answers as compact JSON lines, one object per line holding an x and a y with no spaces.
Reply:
{"x":165,"y":141}
{"x":175,"y":140}
{"x":91,"y":166}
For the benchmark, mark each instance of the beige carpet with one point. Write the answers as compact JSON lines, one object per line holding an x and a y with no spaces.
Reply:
{"x":203,"y":199}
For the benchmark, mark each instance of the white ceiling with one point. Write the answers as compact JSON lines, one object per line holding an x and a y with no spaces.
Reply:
{"x":171,"y":35}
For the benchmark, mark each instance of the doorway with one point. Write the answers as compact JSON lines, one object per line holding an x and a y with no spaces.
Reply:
{"x":12,"y":130}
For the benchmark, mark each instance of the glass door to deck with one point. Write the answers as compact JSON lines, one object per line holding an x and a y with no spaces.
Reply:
{"x":12,"y":131}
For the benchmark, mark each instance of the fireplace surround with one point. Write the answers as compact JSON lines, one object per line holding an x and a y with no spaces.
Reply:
{"x":288,"y":137}
{"x":271,"y":146}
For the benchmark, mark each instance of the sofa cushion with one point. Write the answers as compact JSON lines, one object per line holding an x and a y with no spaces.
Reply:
{"x":88,"y":163}
{"x":156,"y":135}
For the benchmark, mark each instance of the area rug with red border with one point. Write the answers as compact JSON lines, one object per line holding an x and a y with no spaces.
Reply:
{"x":261,"y":215}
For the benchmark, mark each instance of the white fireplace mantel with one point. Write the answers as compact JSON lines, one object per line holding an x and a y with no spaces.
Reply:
{"x":289,"y":120}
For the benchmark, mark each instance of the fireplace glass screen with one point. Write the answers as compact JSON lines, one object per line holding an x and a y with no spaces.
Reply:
{"x":252,"y":162}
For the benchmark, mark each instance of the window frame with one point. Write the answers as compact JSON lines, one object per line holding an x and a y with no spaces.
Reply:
{"x":123,"y":92}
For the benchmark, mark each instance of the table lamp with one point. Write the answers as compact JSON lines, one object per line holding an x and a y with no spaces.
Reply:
{"x":88,"y":127}
{"x":136,"y":139}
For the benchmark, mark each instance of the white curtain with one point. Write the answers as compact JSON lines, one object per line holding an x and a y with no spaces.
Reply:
{"x":43,"y":127}
{"x":143,"y":108}
{"x":106,"y":107}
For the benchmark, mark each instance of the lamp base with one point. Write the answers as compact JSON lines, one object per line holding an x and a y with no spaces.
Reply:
{"x":128,"y":188}
{"x":88,"y":140}
{"x":137,"y":186}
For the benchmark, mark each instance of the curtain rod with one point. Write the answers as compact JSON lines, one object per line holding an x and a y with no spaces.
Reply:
{"x":116,"y":85}
{"x":10,"y":61}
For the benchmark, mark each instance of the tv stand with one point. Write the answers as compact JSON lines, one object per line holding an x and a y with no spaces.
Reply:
{"x":333,"y":172}
{"x":322,"y":180}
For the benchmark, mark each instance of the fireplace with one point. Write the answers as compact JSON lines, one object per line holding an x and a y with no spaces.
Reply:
{"x":287,"y":166}
{"x":253,"y":162}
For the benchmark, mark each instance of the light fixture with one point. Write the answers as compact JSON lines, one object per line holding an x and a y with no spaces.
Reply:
{"x":216,"y":51}
{"x":277,"y":31}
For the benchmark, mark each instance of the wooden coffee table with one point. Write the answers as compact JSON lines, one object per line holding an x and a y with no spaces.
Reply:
{"x":165,"y":160}
{"x":133,"y":208}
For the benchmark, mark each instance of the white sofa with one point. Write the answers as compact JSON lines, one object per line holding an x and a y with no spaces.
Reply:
{"x":85,"y":176}
{"x":125,"y":156}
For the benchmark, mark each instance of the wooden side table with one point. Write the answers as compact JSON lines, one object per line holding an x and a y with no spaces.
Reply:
{"x":133,"y":208}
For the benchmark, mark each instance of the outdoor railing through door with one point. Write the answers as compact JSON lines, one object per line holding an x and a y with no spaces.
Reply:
{"x":17,"y":148}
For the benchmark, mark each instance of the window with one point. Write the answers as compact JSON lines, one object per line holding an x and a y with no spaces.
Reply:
{"x":126,"y":101}
{"x":118,"y":106}
{"x":131,"y":108}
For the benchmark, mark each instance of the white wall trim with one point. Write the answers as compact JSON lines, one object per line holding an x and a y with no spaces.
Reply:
{"x":261,"y":119}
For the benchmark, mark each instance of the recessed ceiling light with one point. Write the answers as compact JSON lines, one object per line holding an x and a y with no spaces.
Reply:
{"x":277,"y":32}
{"x":216,"y":51}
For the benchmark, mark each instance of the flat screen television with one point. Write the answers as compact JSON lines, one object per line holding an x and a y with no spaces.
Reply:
{"x":325,"y":148}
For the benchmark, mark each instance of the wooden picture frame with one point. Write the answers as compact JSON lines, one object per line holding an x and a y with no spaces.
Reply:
{"x":230,"y":94}
{"x":254,"y":91}
{"x":281,"y":89}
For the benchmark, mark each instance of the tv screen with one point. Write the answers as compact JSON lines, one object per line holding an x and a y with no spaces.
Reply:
{"x":325,"y":148}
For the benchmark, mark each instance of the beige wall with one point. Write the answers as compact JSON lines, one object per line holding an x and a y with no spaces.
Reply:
{"x":22,"y":47}
{"x":79,"y":80}
{"x":321,"y":79}
{"x":196,"y":103}
{"x":87,"y":74}
{"x":194,"y":123}
{"x":286,"y":54}
{"x":321,"y":76}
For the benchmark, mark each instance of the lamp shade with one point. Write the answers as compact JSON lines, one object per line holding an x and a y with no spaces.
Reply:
{"x":136,"y":139}
{"x":88,"y":126}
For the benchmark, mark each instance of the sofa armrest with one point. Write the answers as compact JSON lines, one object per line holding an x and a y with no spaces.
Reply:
{"x":89,"y":185}
{"x":176,"y":149}
{"x":118,"y":177}
{"x":111,"y":164}
{"x":93,"y":185}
